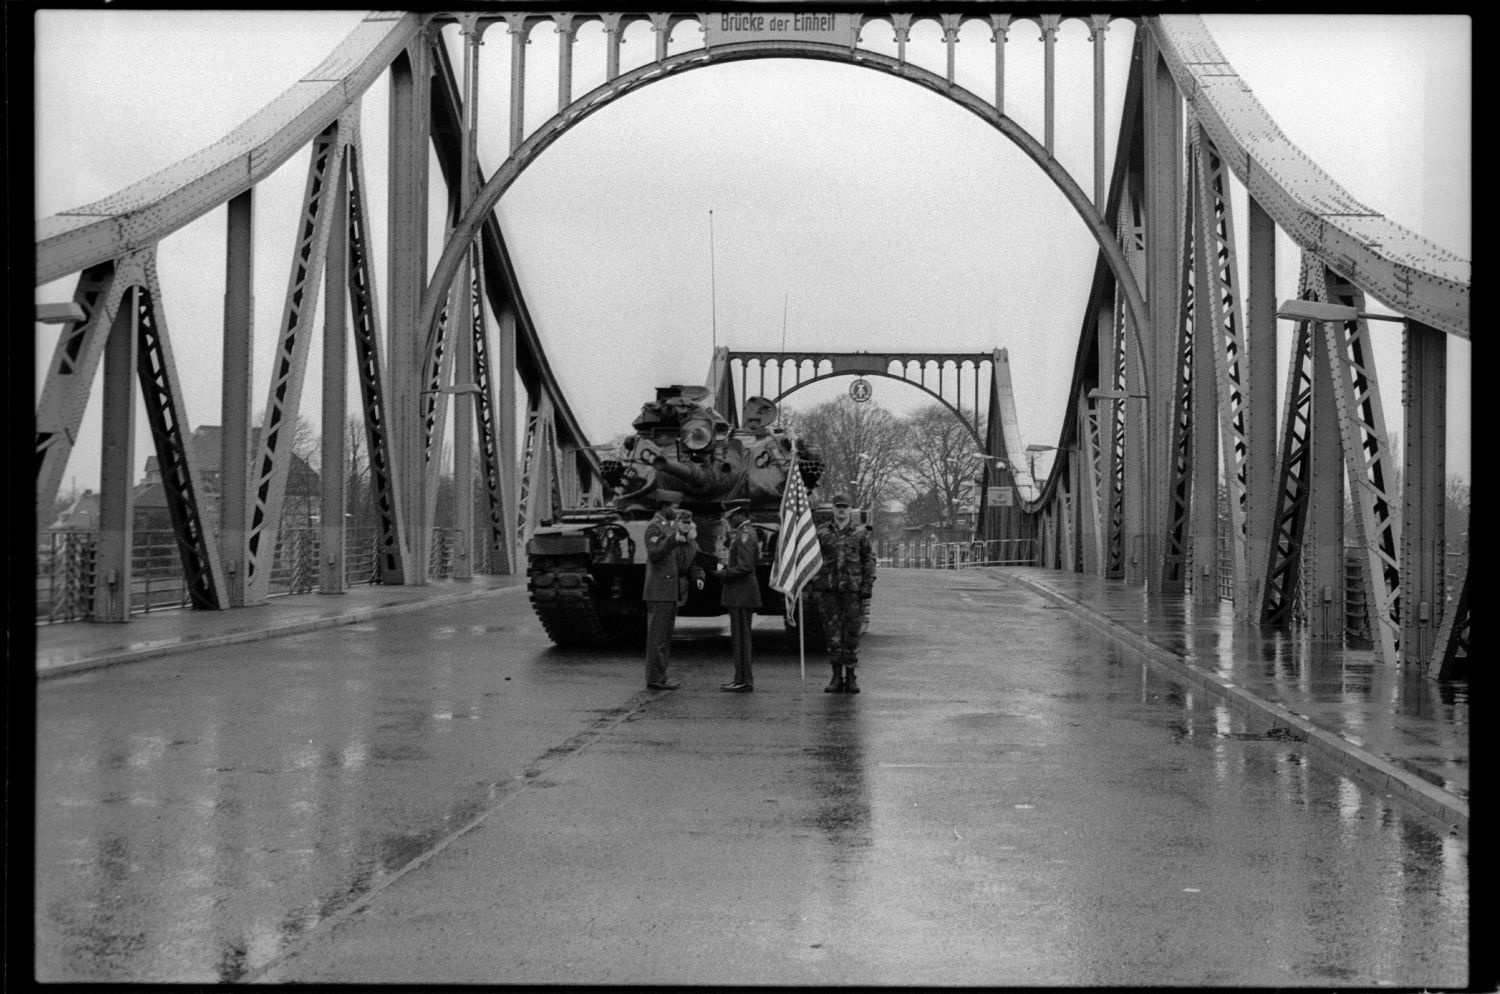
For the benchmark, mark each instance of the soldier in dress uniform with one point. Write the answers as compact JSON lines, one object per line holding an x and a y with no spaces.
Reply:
{"x":741,"y":589}
{"x":842,"y":587}
{"x":671,"y":544}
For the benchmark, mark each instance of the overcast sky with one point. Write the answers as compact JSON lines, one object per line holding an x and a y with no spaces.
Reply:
{"x":873,"y":214}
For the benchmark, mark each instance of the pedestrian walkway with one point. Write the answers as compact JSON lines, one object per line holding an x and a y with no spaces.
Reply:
{"x":1396,"y":730}
{"x":1400,"y":733}
{"x":71,"y":648}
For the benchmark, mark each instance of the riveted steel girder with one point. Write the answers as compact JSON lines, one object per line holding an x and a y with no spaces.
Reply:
{"x":144,"y":213}
{"x":70,"y":376}
{"x":1361,"y":420}
{"x":1293,"y":491}
{"x":365,"y":324}
{"x":1396,"y":266}
{"x":169,"y":430}
{"x":1452,"y":649}
{"x":541,"y":481}
{"x":289,"y":367}
{"x":1423,"y":490}
{"x":490,"y":450}
{"x":1180,"y":465}
{"x":1218,"y":274}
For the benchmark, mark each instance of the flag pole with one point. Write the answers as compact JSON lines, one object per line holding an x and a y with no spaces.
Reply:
{"x":801,"y":631}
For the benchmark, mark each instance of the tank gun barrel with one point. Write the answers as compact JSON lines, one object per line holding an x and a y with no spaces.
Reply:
{"x":701,"y":481}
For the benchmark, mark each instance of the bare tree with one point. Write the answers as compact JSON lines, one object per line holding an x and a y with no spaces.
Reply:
{"x":940,"y":464}
{"x":862,"y":447}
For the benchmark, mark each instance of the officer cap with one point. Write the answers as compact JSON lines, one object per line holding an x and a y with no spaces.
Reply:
{"x":840,"y":499}
{"x":738,"y":504}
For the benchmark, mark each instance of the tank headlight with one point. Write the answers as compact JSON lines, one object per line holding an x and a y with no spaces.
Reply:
{"x":697,"y":435}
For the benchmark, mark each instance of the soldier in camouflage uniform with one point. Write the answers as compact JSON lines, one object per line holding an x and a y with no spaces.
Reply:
{"x":842,"y":587}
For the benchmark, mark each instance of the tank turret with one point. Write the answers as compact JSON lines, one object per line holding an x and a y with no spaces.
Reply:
{"x":683,"y":445}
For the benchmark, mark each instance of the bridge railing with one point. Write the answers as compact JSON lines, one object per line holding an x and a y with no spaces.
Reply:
{"x":66,"y":562}
{"x":932,"y":554}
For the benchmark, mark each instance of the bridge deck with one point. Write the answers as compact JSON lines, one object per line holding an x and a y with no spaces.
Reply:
{"x":431,"y":792}
{"x":1408,"y":733}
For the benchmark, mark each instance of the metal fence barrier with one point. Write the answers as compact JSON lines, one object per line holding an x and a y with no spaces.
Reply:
{"x":65,"y":565}
{"x":957,"y":555}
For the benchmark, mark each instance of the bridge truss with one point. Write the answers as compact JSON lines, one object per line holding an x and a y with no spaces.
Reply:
{"x":1172,"y":400}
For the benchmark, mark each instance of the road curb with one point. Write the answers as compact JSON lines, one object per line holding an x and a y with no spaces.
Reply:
{"x":1360,"y":763}
{"x":168,"y":647}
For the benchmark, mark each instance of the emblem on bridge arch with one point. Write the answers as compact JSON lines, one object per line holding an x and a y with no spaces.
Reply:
{"x":860,"y":390}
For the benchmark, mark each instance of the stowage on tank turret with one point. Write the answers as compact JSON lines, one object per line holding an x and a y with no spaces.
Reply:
{"x":586,"y":569}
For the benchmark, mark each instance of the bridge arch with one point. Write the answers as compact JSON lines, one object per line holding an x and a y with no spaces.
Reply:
{"x":886,"y":374}
{"x":485,"y":200}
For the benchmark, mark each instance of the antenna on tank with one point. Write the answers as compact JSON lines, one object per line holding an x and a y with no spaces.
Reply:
{"x":713,"y":294}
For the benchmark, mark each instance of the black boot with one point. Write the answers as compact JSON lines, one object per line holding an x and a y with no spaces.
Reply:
{"x":836,"y":685}
{"x":850,"y":687}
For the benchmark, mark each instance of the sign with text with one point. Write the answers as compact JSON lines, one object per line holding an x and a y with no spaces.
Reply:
{"x":729,"y":27}
{"x":999,"y":497}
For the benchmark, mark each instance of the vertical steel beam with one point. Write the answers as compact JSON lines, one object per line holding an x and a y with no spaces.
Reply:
{"x":566,"y":33}
{"x":410,"y":130}
{"x":1088,"y":496}
{"x":999,"y":30}
{"x":1131,"y":474}
{"x":1098,"y":25}
{"x":611,"y":46}
{"x":1423,"y":497}
{"x":70,"y":378}
{"x":465,"y":405}
{"x":116,"y":464}
{"x":1049,"y":23}
{"x":902,"y":24}
{"x":1323,"y":548}
{"x":519,"y":31}
{"x":1162,"y":115}
{"x":1260,"y":413}
{"x":951,"y":24}
{"x":234,"y":402}
{"x":335,"y":501}
{"x":661,"y":26}
{"x":506,"y":425}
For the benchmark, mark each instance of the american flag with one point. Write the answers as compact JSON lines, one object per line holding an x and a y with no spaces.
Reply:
{"x":798,"y":557}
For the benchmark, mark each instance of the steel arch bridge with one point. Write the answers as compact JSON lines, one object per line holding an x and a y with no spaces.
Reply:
{"x":1172,"y":397}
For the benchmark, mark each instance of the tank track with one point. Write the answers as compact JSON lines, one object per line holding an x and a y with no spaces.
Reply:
{"x":560,"y":597}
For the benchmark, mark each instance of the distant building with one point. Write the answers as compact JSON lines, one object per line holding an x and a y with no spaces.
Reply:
{"x":81,"y":515}
{"x":303,"y":486}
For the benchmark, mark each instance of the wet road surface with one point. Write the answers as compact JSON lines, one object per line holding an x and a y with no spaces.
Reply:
{"x":444,"y":797}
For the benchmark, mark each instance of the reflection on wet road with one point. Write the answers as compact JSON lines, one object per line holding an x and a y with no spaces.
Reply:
{"x":443,"y":797}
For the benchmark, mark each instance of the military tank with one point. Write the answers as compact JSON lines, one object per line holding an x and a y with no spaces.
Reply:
{"x":587,"y":566}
